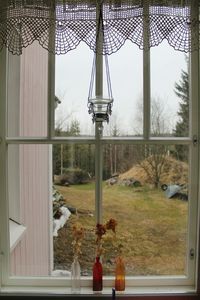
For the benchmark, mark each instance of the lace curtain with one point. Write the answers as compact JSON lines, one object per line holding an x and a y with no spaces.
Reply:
{"x":59,"y":26}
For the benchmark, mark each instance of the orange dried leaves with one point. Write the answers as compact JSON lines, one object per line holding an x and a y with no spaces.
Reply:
{"x":78,"y":235}
{"x":101,"y":230}
{"x":111,"y":224}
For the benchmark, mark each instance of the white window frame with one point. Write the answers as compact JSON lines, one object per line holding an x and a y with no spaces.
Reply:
{"x":13,"y":92}
{"x":152,"y":284}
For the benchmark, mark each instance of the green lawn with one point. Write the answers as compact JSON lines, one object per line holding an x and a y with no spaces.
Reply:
{"x":151,"y":228}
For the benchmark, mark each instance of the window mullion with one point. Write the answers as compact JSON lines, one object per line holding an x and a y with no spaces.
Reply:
{"x":98,"y":125}
{"x":98,"y":172}
{"x":146,"y":73}
{"x":51,"y":85}
{"x":51,"y":95}
{"x":4,"y":213}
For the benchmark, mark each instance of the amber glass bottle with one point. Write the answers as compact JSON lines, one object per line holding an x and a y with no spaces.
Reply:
{"x":97,"y":275}
{"x":120,"y":274}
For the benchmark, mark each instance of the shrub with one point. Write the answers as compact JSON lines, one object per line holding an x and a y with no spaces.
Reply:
{"x":74,"y":176}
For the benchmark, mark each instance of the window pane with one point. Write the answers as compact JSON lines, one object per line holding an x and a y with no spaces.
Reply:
{"x":146,"y":191}
{"x":72,"y":80}
{"x":126,"y":67}
{"x":73,"y":76}
{"x":41,"y":229}
{"x":74,"y":182}
{"x":169,"y":92}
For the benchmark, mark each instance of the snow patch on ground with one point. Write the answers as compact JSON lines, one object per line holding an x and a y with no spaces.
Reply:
{"x":61,"y":273}
{"x":59,"y":223}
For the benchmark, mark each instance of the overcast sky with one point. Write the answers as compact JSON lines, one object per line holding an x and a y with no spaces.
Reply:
{"x":73,"y":71}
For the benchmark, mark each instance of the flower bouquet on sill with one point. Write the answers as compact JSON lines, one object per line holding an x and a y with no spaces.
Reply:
{"x":100,"y":231}
{"x":78,"y":235}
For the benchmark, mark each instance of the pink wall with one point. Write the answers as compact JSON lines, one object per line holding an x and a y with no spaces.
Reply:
{"x":32,"y":255}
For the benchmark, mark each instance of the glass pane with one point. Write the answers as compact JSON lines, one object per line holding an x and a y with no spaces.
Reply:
{"x":126,"y":73}
{"x":74,"y":183}
{"x":51,"y":190}
{"x":27,"y":92}
{"x":169,"y":92}
{"x":72,"y":80}
{"x":73,"y":75}
{"x":146,"y":192}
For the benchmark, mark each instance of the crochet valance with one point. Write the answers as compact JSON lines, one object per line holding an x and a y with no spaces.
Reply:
{"x":60,"y":25}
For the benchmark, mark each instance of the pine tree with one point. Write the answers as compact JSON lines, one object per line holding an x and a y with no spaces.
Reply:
{"x":182,"y":91}
{"x":182,"y":125}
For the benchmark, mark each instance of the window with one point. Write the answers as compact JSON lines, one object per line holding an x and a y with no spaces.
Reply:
{"x":142,"y":171}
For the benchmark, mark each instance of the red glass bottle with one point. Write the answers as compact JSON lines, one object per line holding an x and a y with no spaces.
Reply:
{"x":97,"y":275}
{"x":120,"y":274}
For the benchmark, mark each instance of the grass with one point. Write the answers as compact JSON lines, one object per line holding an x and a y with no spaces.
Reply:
{"x":152,"y":229}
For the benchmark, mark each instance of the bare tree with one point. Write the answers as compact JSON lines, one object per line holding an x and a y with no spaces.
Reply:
{"x":161,"y":118}
{"x":63,"y":128}
{"x":112,"y":130}
{"x":154,"y":163}
{"x":152,"y":158}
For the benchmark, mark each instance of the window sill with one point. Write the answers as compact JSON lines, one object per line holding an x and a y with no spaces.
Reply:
{"x":130,"y":293}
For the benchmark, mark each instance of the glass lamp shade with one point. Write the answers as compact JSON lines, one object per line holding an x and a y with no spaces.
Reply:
{"x":100,"y":108}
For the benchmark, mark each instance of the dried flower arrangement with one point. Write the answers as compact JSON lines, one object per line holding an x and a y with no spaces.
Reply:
{"x":100,"y":231}
{"x":78,"y":235}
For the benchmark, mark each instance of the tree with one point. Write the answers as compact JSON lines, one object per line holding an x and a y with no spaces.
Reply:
{"x":154,"y":163}
{"x":182,"y":125}
{"x":64,"y":155}
{"x":160,"y":118}
{"x":182,"y":91}
{"x":74,"y":128}
{"x":152,"y":158}
{"x":113,"y":150}
{"x":72,"y":157}
{"x":57,"y":152}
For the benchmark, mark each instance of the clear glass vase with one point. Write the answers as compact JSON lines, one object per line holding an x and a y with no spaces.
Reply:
{"x":75,"y":276}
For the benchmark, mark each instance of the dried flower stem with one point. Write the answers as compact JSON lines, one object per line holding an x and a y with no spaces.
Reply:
{"x":100,"y":231}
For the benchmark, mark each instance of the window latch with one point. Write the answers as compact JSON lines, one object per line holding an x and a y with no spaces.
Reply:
{"x":195,"y":140}
{"x":192,"y":253}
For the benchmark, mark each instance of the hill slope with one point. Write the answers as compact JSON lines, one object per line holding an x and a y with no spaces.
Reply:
{"x":174,"y":172}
